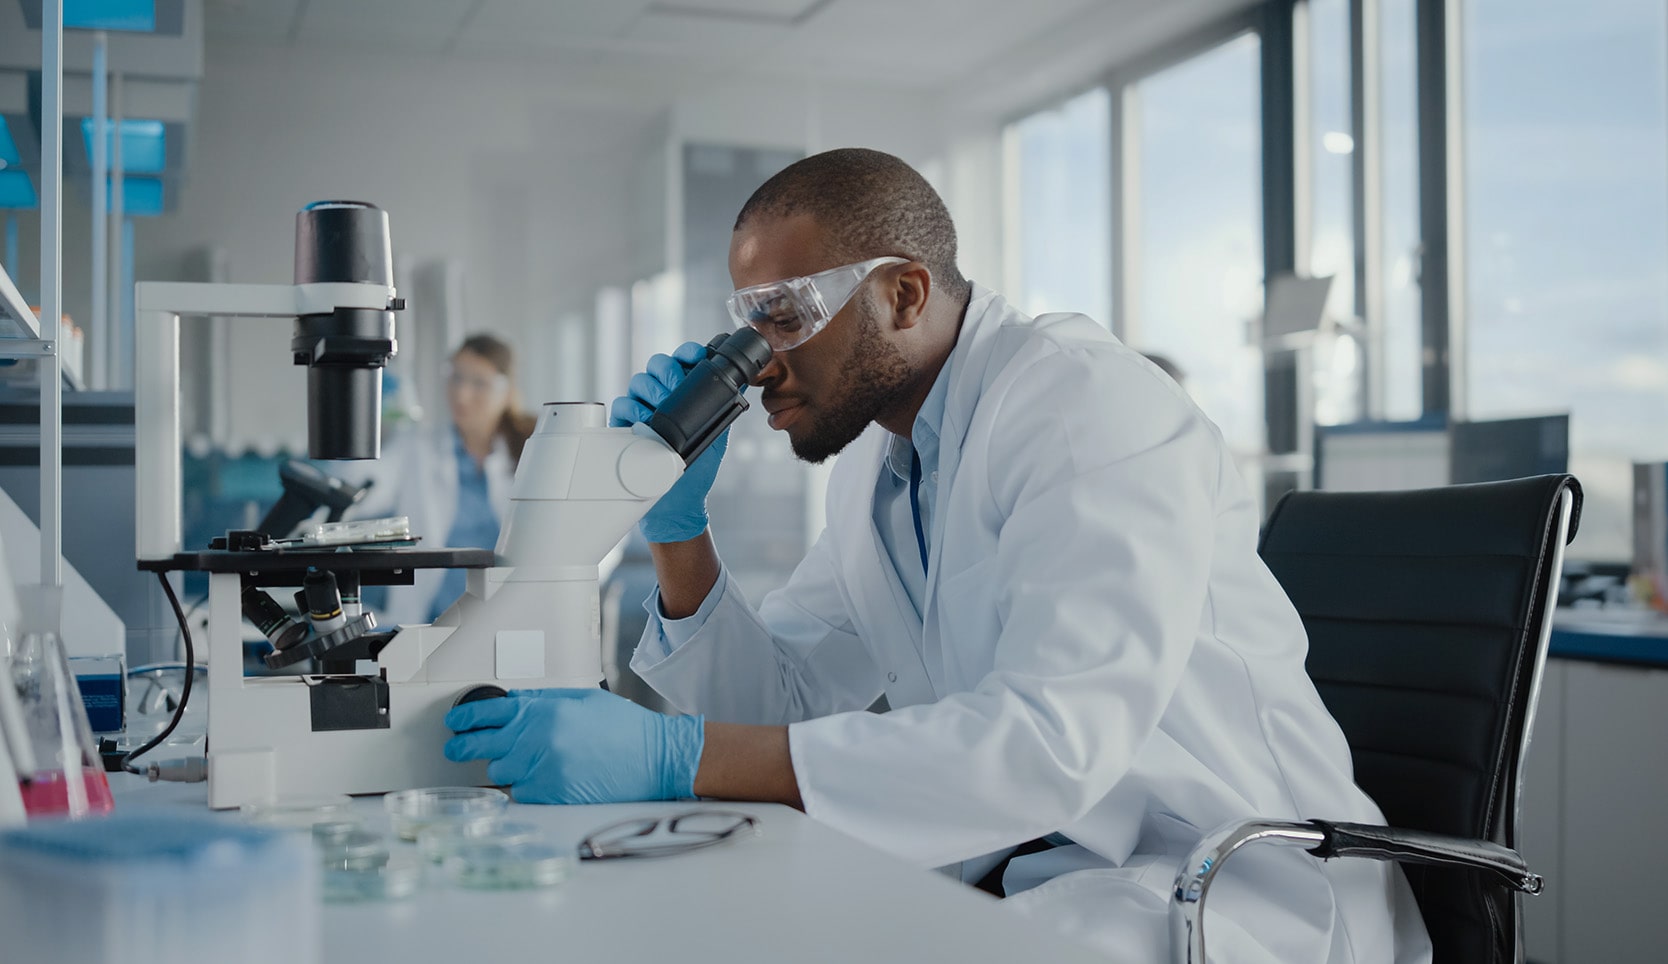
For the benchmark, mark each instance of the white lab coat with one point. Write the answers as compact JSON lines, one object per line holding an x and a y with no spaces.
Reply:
{"x":417,"y":477}
{"x":1103,"y":654}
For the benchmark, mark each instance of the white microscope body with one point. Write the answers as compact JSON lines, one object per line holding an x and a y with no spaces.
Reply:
{"x":532,"y":621}
{"x":372,"y":718}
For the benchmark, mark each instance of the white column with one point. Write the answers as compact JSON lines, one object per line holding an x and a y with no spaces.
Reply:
{"x":116,"y":373}
{"x":92,"y":368}
{"x":52,"y":289}
{"x":1459,"y":392}
{"x":156,"y":431}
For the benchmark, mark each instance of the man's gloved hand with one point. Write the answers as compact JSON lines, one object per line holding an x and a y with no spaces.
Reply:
{"x":578,"y":746}
{"x":681,"y":514}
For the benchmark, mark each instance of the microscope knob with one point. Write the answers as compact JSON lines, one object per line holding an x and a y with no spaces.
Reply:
{"x":487,"y":692}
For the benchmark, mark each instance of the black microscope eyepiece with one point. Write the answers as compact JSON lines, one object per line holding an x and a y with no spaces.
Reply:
{"x":739,"y":354}
{"x":710,"y":396}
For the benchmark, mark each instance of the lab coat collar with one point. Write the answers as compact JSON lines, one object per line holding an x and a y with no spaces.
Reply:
{"x":963,"y":375}
{"x":967,"y":367}
{"x":968,"y":362}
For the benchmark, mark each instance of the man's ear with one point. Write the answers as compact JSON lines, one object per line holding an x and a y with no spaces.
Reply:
{"x":910,"y":292}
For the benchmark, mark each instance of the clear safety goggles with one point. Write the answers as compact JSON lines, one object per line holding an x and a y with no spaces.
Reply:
{"x":789,"y":311}
{"x":492,"y":386}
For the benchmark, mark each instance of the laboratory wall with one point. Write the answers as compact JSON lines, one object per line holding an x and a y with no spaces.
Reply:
{"x":514,"y":172}
{"x":528,"y":175}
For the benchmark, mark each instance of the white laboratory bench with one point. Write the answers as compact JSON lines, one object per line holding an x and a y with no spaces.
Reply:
{"x":798,"y":891}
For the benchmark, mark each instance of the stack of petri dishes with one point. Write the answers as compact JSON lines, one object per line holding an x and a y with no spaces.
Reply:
{"x":302,"y":813}
{"x":357,"y":861}
{"x":489,"y":864}
{"x":358,"y":866}
{"x":438,"y":841}
{"x":412,"y":810}
{"x":461,"y":831}
{"x":460,"y":837}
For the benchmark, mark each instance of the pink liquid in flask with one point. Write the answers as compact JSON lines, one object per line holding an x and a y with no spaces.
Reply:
{"x":48,"y":793}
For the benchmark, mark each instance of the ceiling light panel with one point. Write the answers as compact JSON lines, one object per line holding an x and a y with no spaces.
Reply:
{"x":17,"y":191}
{"x":384,"y":15}
{"x":721,"y":41}
{"x":10,"y":156}
{"x":144,"y":144}
{"x":573,"y":20}
{"x":781,"y":11}
{"x":263,"y":21}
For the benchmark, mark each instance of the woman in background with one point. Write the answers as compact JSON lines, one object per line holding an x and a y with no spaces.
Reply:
{"x":452,"y":480}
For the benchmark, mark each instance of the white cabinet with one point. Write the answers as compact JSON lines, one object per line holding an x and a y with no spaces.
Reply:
{"x":1595,"y":815}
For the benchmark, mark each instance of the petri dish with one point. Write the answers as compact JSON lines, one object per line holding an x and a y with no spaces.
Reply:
{"x":391,"y":878}
{"x":438,"y":841}
{"x":412,"y":810}
{"x":328,"y":832}
{"x":301,"y":813}
{"x":493,"y":866}
{"x":355,"y":850}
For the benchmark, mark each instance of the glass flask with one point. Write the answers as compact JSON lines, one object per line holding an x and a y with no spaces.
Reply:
{"x":47,"y":734}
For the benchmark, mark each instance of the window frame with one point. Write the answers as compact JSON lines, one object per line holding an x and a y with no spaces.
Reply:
{"x":1281,"y":27}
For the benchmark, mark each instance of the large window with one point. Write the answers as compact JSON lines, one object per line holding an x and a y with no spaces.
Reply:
{"x":1195,"y":256}
{"x":1330,"y":149}
{"x":1058,"y":164}
{"x":1557,"y":243}
{"x":1396,"y":356}
{"x":1328,"y":157}
{"x":1377,"y":375}
{"x":1566,"y":190}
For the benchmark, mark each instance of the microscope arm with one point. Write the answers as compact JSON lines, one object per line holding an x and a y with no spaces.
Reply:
{"x":536,"y":617}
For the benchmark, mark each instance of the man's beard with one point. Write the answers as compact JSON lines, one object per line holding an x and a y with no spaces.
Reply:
{"x":876,"y":378}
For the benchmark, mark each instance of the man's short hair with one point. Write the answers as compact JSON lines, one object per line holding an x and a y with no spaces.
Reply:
{"x":869,"y":205}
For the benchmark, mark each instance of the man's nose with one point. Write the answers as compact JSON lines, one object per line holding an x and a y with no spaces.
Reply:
{"x":771,"y":372}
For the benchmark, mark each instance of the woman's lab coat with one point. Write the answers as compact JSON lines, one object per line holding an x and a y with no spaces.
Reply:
{"x":417,"y":477}
{"x":1103,"y":654}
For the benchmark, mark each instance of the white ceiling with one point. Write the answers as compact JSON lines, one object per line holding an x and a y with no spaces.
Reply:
{"x":924,"y":43}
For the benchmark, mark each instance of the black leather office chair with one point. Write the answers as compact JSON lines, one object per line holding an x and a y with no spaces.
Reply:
{"x":1428,"y":615}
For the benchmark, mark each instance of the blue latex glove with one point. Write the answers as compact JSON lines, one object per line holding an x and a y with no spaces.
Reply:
{"x":578,"y":746}
{"x":681,"y":514}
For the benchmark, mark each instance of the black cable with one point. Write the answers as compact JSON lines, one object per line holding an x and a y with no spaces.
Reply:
{"x":196,"y":604}
{"x":185,"y":691}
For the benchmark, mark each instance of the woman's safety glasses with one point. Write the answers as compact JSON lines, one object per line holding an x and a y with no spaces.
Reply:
{"x":491,"y":386}
{"x":664,"y":836}
{"x":789,"y":311}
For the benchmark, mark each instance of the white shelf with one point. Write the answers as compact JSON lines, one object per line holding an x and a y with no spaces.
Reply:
{"x":19,"y":324}
{"x":16,"y":320}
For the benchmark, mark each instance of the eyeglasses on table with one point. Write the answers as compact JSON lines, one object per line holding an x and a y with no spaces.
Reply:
{"x":664,"y":836}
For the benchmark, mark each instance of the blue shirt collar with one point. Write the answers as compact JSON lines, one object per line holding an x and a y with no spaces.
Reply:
{"x":924,"y":432}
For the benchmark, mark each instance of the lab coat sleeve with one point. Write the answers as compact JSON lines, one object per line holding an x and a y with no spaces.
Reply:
{"x":1103,"y":485}
{"x":794,"y":658}
{"x":675,"y":632}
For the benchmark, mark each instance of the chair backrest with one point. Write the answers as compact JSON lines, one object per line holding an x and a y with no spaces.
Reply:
{"x":1428,"y":613}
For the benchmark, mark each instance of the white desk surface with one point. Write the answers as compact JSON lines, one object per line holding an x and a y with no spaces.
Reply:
{"x":798,"y":891}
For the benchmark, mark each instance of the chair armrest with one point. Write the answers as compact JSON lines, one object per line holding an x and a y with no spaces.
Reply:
{"x":1187,"y":907}
{"x":1505,"y":865}
{"x":1324,"y":839}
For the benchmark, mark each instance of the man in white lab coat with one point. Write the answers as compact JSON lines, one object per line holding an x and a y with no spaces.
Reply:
{"x":1038,"y":549}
